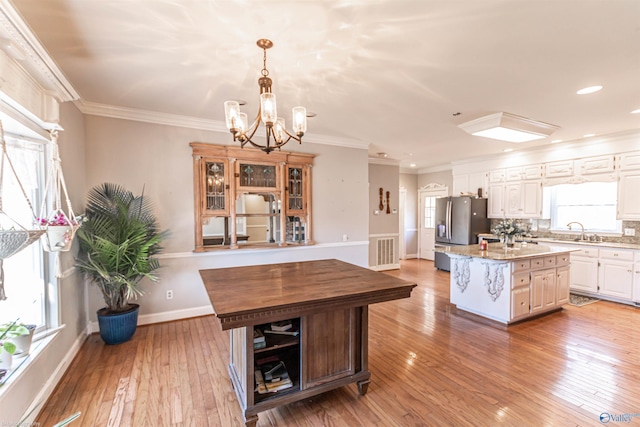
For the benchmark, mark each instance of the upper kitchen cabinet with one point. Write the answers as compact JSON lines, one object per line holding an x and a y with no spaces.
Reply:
{"x":629,"y":161}
{"x":520,"y":173}
{"x":524,"y":199}
{"x":558,"y":169}
{"x":629,"y":195}
{"x":629,"y":186}
{"x":593,"y":165}
{"x":470,"y":183}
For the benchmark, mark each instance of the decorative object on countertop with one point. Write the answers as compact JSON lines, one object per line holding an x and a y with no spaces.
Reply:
{"x":507,"y":229}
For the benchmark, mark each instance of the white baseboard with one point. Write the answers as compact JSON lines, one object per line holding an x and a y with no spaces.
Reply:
{"x":411,"y":256}
{"x":166,"y":316}
{"x":385,"y":267}
{"x":33,"y":410}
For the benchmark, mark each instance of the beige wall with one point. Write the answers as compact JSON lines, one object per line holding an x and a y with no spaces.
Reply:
{"x":410,"y":183}
{"x":442,"y":178}
{"x":158,"y":158}
{"x":382,"y":224}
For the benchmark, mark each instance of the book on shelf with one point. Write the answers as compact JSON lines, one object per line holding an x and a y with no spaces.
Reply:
{"x":259,"y":341}
{"x":272,"y":376}
{"x":283,"y":325}
{"x":291,"y":333}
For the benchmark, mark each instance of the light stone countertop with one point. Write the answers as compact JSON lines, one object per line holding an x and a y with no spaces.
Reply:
{"x":497,"y":251}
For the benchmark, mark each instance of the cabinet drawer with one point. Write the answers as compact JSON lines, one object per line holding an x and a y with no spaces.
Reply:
{"x":591,"y":253}
{"x":521,"y":265}
{"x":562,"y":260}
{"x":549,"y":261}
{"x":520,"y":280}
{"x":537,"y":263}
{"x":616,"y":254}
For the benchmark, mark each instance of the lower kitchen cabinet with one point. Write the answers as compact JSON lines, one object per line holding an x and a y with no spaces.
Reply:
{"x":520,"y":302}
{"x":636,"y":280}
{"x":562,"y":285}
{"x":616,"y":278}
{"x":543,"y":290}
{"x":584,"y":273}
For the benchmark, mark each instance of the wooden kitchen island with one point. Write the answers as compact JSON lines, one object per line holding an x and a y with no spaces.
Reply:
{"x":508,"y":285}
{"x":325,"y":301}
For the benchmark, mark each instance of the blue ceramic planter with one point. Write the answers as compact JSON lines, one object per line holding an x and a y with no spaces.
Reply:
{"x":116,"y":328}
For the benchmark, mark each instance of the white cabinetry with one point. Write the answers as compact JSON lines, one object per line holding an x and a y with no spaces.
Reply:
{"x":470,"y":183}
{"x":496,"y":202}
{"x":636,"y":278}
{"x":562,"y":285}
{"x":629,"y":161}
{"x":558,"y":169}
{"x":519,"y":197}
{"x":598,"y":164}
{"x":616,"y":273}
{"x":628,"y":200}
{"x":584,"y":270}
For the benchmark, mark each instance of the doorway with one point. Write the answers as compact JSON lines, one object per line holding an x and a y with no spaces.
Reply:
{"x":427,"y":196}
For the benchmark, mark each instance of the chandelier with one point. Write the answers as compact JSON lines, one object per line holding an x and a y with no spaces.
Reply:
{"x":276,"y":133}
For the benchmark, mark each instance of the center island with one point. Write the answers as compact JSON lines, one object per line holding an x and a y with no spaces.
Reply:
{"x":508,"y":285}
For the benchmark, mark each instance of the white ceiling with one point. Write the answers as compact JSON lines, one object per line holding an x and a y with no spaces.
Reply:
{"x":389,"y":73}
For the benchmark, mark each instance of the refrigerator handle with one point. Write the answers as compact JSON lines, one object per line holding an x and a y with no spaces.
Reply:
{"x":449,"y":219}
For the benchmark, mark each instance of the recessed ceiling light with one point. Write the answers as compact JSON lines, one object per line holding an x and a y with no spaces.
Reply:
{"x":587,"y":90}
{"x":588,"y":135}
{"x":636,"y":111}
{"x":508,"y":127}
{"x":383,"y":155}
{"x":508,"y":150}
{"x":555,"y":141}
{"x":412,"y":165}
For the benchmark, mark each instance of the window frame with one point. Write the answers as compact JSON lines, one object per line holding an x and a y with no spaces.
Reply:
{"x":556,"y":227}
{"x":49,"y":287}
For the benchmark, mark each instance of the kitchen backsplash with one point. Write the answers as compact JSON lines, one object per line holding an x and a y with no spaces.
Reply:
{"x":540,"y":228}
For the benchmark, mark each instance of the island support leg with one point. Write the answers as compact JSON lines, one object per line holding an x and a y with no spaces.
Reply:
{"x":251,"y":421}
{"x":363,"y":385}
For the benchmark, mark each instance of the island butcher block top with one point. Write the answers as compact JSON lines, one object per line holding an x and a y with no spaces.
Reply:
{"x":243,"y":296}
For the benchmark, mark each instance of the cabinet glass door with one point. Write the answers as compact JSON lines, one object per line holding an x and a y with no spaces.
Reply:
{"x":257,"y":176}
{"x":215,"y":187}
{"x":295,"y":191}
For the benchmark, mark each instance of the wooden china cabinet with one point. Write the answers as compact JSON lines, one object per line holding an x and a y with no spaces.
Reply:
{"x":245,"y":197}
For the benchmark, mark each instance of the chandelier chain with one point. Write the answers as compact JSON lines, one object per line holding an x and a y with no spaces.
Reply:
{"x":265,"y":72}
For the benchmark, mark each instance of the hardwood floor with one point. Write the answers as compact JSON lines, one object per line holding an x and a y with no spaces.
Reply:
{"x":429,"y":367}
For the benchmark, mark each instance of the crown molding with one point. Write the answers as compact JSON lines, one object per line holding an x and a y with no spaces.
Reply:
{"x":125,"y":113}
{"x":36,"y":59}
{"x":386,"y":162}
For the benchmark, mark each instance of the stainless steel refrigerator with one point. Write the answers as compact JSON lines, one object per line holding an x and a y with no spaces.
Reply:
{"x":459,"y":220}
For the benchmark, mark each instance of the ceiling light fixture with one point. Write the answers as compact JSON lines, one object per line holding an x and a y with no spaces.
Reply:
{"x":588,"y":90}
{"x":276,"y":133}
{"x":508,"y":127}
{"x":637,"y":111}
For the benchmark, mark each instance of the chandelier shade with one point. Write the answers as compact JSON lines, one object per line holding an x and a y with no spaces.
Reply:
{"x":276,"y":132}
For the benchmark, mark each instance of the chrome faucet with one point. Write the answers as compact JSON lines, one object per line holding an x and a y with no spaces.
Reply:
{"x":581,"y":226}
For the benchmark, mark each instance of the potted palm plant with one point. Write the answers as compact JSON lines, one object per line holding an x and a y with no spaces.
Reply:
{"x":118,"y":238}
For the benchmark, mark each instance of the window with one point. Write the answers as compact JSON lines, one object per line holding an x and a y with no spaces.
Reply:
{"x":24,"y":272}
{"x":593,"y":204}
{"x":429,"y":212}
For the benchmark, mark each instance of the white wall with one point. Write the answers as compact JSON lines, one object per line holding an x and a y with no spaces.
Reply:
{"x":383,"y":225}
{"x":158,"y":157}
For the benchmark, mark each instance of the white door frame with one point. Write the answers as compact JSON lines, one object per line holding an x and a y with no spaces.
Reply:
{"x":429,"y":190}
{"x":401,"y":211}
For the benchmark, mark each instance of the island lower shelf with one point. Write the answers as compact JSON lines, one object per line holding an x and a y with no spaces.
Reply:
{"x":508,"y":288}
